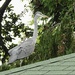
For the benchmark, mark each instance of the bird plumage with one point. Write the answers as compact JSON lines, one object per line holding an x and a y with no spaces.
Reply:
{"x":27,"y":47}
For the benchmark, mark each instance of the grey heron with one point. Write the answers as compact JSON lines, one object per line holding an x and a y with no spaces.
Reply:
{"x":26,"y":48}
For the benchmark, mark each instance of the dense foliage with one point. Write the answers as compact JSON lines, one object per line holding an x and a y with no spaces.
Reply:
{"x":57,"y":36}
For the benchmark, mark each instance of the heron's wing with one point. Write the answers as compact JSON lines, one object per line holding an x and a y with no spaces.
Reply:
{"x":12,"y":58}
{"x":13,"y":55}
{"x":26,"y":49}
{"x":16,"y":47}
{"x":22,"y":50}
{"x":11,"y":50}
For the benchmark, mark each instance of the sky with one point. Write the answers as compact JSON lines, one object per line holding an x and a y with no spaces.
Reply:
{"x":18,"y":8}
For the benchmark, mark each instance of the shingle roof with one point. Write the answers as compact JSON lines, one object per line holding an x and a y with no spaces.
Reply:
{"x":63,"y":65}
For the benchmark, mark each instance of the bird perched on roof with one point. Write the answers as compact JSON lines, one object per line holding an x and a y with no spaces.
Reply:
{"x":27,"y":47}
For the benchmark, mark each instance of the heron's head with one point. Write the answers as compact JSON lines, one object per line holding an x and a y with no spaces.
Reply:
{"x":39,"y":14}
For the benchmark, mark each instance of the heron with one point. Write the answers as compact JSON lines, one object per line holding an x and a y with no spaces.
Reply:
{"x":26,"y":48}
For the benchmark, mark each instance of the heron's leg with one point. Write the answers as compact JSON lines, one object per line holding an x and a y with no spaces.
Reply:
{"x":21,"y":60}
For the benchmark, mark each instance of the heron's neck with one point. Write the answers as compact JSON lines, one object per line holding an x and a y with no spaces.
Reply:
{"x":35,"y":33}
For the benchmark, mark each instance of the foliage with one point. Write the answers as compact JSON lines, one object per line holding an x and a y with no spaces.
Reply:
{"x":57,"y":36}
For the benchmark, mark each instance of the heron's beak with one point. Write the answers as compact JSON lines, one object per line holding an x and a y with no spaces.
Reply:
{"x":44,"y":16}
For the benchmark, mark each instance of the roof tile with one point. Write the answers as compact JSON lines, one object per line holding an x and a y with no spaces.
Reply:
{"x":63,"y":65}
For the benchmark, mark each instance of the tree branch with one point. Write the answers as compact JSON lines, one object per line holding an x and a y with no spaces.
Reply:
{"x":4,"y":6}
{"x":2,"y":10}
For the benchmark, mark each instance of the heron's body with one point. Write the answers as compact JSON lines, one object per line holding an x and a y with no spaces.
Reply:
{"x":26,"y":48}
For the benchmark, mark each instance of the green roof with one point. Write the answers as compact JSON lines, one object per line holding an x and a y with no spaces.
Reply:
{"x":63,"y":65}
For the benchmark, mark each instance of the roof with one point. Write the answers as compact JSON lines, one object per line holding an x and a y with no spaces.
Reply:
{"x":63,"y":65}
